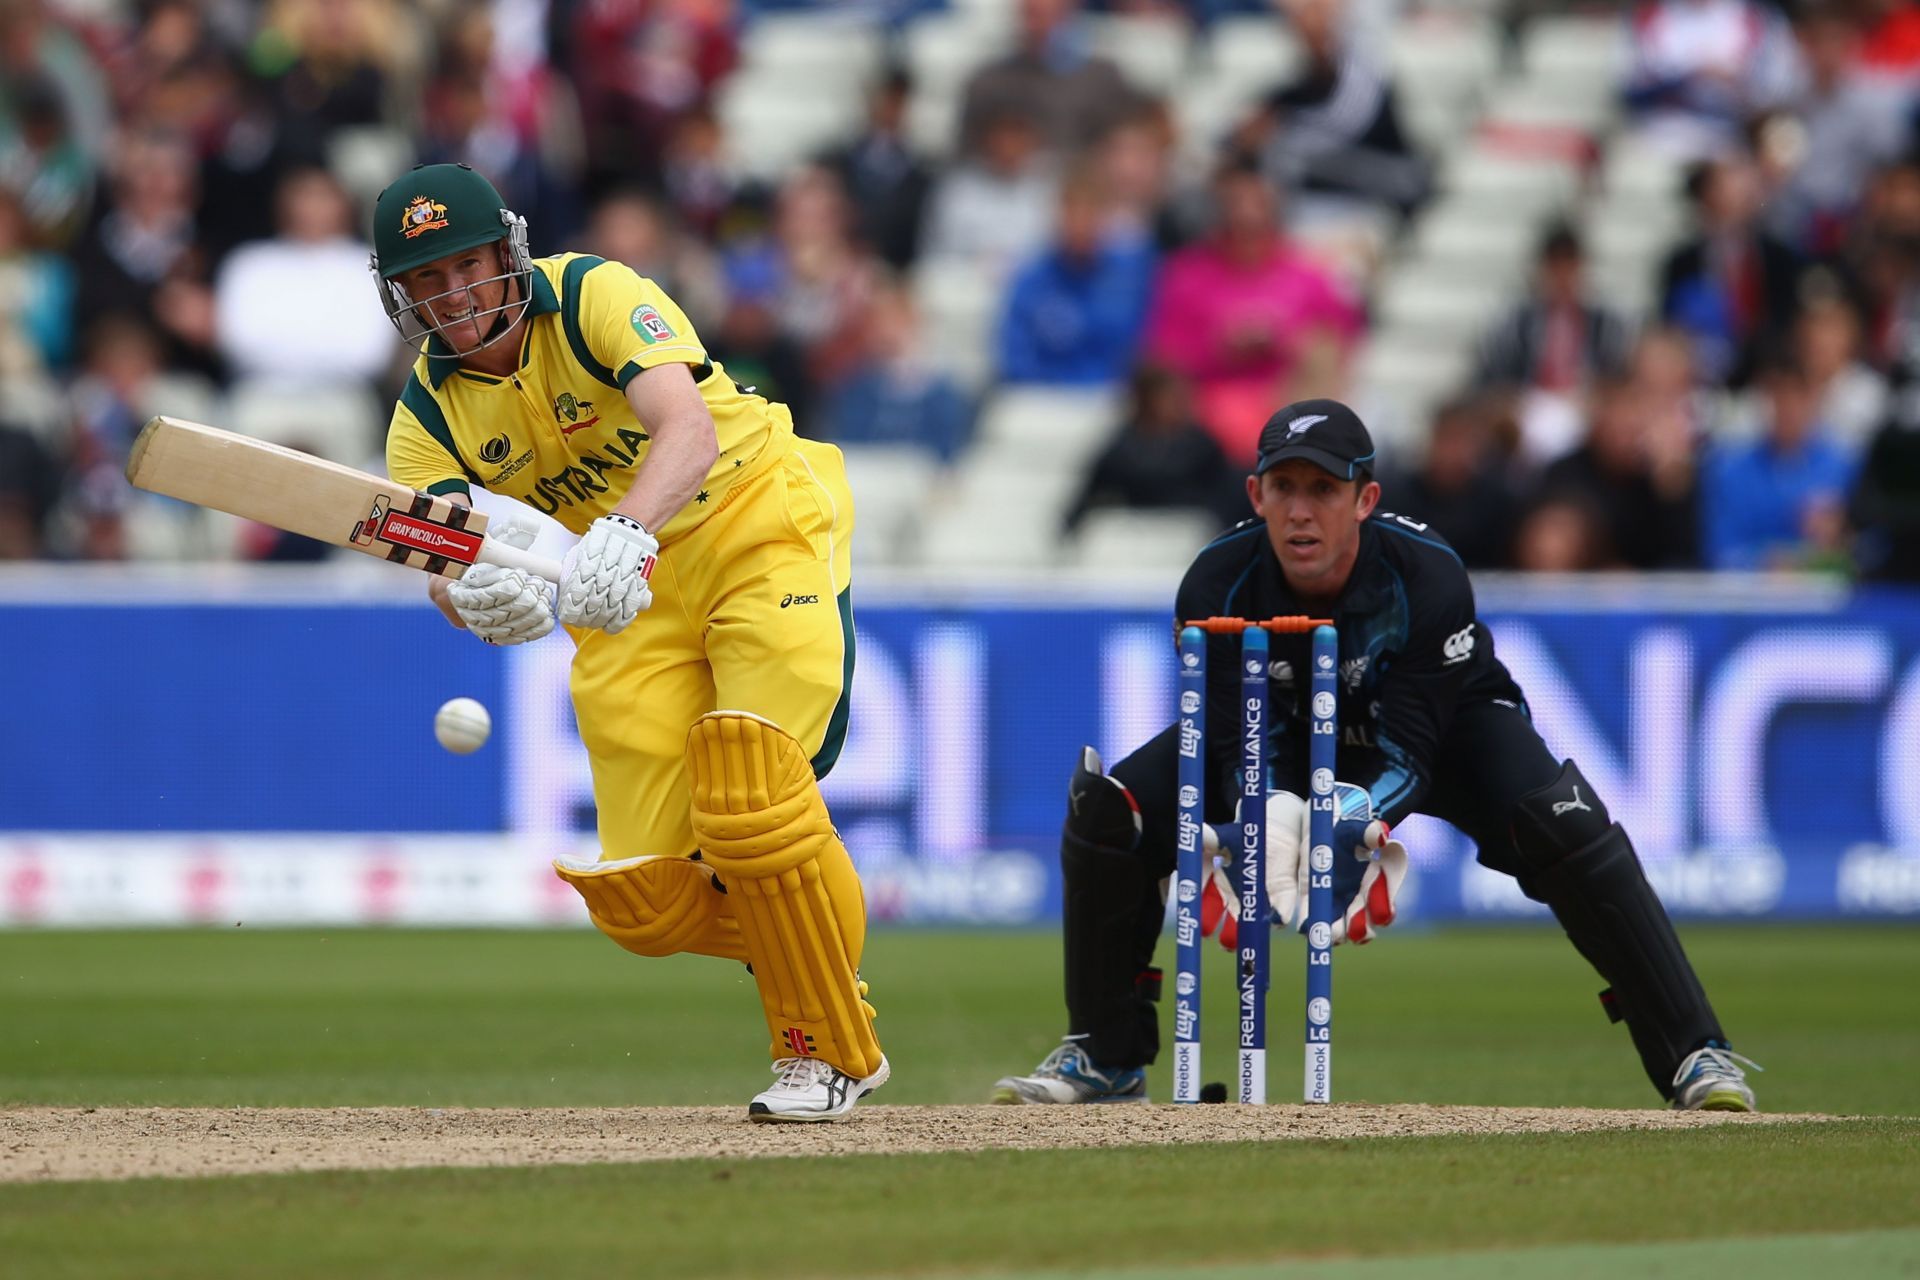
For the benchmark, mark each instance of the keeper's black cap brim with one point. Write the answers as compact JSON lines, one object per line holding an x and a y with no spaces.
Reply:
{"x":1340,"y":468}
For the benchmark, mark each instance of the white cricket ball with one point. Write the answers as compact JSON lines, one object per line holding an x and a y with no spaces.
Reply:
{"x":462,"y":725}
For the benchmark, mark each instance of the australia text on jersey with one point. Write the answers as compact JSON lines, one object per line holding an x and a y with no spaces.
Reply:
{"x":584,"y":476}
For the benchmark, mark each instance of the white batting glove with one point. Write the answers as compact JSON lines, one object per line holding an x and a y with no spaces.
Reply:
{"x":604,"y":579}
{"x":502,"y":605}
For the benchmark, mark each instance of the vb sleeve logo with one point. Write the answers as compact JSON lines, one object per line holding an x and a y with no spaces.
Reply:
{"x":650,"y":324}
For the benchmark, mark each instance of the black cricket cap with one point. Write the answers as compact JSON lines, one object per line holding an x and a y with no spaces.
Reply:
{"x":1324,"y":432}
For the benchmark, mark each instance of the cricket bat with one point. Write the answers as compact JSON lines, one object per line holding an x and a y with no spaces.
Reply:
{"x":322,"y":500}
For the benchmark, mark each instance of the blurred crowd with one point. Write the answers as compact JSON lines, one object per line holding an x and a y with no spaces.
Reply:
{"x":184,"y":187}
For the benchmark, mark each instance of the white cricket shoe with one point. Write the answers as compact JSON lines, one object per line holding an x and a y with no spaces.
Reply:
{"x":808,"y":1091}
{"x":1710,"y":1079}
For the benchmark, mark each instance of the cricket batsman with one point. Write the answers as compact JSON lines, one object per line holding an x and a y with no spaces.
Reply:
{"x":1430,"y":722}
{"x":708,"y":600}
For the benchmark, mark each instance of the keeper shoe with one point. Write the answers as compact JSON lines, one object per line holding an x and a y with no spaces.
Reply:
{"x":1068,"y":1075}
{"x":808,"y":1091}
{"x":1710,"y":1079}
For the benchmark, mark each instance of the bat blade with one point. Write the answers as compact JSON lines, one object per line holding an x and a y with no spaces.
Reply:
{"x":306,"y":495}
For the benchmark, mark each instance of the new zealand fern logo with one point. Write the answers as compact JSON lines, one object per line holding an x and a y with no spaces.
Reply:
{"x":494,"y":452}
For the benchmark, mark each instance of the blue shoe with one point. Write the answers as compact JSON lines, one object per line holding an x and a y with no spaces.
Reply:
{"x":1068,"y":1075}
{"x":1710,"y":1079}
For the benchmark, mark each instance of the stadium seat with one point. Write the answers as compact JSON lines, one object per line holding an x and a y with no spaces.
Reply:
{"x":1000,"y":511}
{"x":1153,"y":53}
{"x":997,"y":14}
{"x":1625,"y":278}
{"x":1253,"y":53}
{"x":183,"y":395}
{"x":338,"y":423}
{"x":1581,"y":53}
{"x":1141,"y":541}
{"x":933,"y":122}
{"x":1207,"y":109}
{"x":1633,"y":170}
{"x":160,"y":529}
{"x":1349,"y":237}
{"x":1437,"y":115}
{"x":1463,"y":238}
{"x":770,"y":126}
{"x":891,"y":485}
{"x":1057,"y":426}
{"x":37,"y":405}
{"x":1633,"y":230}
{"x":1449,"y":308}
{"x":1410,"y":372}
{"x":1547,"y":104}
{"x":365,"y":158}
{"x":832,"y":49}
{"x":1441,"y":64}
{"x":1511,"y":183}
{"x":958,"y":307}
{"x":1450,"y":52}
{"x":944,"y":49}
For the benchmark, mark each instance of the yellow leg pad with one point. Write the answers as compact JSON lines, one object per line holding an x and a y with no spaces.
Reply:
{"x":657,"y":906}
{"x":762,"y":825}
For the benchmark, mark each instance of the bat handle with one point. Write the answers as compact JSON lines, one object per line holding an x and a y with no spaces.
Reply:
{"x":500,"y":553}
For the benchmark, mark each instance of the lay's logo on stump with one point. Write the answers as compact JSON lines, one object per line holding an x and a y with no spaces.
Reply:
{"x":422,"y":214}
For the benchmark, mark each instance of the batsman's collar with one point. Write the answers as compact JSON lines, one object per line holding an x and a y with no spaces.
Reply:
{"x":545,"y":302}
{"x":1324,"y":432}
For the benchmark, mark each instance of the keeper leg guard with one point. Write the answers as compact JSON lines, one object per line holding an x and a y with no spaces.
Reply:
{"x":1579,"y":862}
{"x":1110,"y":921}
{"x":657,"y":906}
{"x":763,"y":827}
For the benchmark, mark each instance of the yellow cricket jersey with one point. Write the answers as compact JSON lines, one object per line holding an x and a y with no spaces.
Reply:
{"x":559,"y":434}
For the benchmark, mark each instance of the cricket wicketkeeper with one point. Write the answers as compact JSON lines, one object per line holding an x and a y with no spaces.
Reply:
{"x":708,"y":598}
{"x":1430,"y":722}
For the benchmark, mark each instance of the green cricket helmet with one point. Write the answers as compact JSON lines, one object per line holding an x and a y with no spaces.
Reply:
{"x":428,"y":213}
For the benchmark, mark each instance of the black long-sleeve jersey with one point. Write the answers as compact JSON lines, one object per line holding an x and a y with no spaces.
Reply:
{"x":1411,"y":650}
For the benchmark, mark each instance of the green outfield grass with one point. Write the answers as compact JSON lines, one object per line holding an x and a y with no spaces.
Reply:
{"x":239,"y":1016}
{"x":565,"y":1019}
{"x":984,"y":1213}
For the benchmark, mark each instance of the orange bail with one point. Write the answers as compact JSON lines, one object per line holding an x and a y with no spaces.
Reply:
{"x":1234,"y":626}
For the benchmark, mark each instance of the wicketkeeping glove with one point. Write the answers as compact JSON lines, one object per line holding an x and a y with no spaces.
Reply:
{"x":605,"y":579}
{"x":1356,"y":832}
{"x":1219,"y":902}
{"x":1220,"y":885}
{"x":1375,"y":906}
{"x":1358,"y":835}
{"x":1287,"y":858}
{"x":502,"y":605}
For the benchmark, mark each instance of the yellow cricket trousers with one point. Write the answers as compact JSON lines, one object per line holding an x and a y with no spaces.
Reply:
{"x":752,"y":611}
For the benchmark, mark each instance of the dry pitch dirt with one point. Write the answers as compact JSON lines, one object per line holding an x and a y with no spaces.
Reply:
{"x":62,"y":1144}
